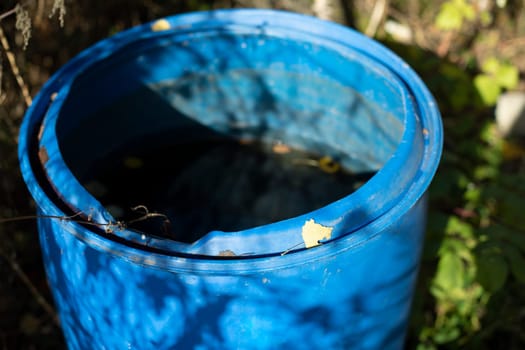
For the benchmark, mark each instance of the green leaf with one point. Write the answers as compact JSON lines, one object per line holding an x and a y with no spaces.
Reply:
{"x":486,"y":172}
{"x":487,"y":88}
{"x":446,"y":335}
{"x":492,"y":269}
{"x":450,"y":272}
{"x":449,"y":17}
{"x":446,"y":186}
{"x":507,"y":76}
{"x":473,"y":193}
{"x":452,"y":14}
{"x":503,"y":233}
{"x":517,"y":238}
{"x":517,"y":262}
{"x":485,"y":18}
{"x":514,"y":181}
{"x":508,"y":204}
{"x":490,"y":66}
{"x":504,"y":74}
{"x":423,"y":346}
{"x":467,"y":9}
{"x":456,"y":226}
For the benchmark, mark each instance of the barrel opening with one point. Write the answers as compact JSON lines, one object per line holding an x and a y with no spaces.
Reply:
{"x":236,"y":131}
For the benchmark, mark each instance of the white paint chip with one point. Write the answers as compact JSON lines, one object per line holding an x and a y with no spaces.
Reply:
{"x":313,"y":232}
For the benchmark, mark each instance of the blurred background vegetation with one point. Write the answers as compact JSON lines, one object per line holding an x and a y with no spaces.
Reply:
{"x":471,"y":290}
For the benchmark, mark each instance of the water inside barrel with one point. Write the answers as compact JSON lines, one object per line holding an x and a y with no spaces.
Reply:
{"x":220,"y":184}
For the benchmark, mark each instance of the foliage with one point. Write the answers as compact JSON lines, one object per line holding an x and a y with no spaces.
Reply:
{"x":495,"y":75}
{"x":463,"y":17}
{"x":453,"y":13}
{"x":475,"y":249}
{"x":470,"y":293}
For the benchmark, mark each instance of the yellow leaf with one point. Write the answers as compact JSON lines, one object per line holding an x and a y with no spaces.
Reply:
{"x":313,"y":233}
{"x":160,"y":25}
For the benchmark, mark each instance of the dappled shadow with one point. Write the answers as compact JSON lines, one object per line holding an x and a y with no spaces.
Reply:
{"x":358,"y":298}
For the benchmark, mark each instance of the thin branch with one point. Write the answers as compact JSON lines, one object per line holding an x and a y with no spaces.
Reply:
{"x":39,"y":12}
{"x":34,"y":291}
{"x":520,"y":40}
{"x":146,"y":214}
{"x":292,"y":248}
{"x":13,"y":10}
{"x":1,"y":76}
{"x":8,"y":13}
{"x":33,"y":217}
{"x":109,"y":227}
{"x":14,"y":68}
{"x":445,"y":43}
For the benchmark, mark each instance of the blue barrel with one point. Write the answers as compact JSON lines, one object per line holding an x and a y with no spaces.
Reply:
{"x":337,"y":277}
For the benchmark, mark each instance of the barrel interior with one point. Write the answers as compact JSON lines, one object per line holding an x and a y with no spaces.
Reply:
{"x":303,"y":110}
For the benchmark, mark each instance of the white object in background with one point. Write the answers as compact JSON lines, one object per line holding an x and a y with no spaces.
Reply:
{"x":400,"y":32}
{"x":510,"y":113}
{"x":323,"y":9}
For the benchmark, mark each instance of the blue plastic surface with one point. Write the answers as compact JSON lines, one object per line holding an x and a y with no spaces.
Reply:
{"x":256,"y":74}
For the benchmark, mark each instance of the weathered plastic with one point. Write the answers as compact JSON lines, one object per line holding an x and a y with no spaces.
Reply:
{"x":340,"y":277}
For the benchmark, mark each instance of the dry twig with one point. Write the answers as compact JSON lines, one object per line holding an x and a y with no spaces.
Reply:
{"x":27,"y":282}
{"x":14,"y":68}
{"x":8,"y":13}
{"x":378,"y":14}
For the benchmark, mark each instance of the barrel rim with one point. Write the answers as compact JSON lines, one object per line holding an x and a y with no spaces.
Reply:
{"x":425,"y":113}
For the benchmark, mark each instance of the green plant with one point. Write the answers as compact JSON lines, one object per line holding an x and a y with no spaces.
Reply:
{"x":453,"y":13}
{"x":476,"y":243}
{"x":495,"y":76}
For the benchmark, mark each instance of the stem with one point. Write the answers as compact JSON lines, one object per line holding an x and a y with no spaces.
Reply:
{"x":322,"y":9}
{"x":7,"y":13}
{"x":34,"y":291}
{"x":15,"y":69}
{"x":39,"y":12}
{"x":33,"y":217}
{"x":378,"y":14}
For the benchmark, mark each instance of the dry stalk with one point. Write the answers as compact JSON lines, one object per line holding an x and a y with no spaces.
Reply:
{"x":34,"y":291}
{"x":322,"y":9}
{"x":447,"y":39}
{"x":146,"y":214}
{"x":8,"y":13}
{"x":78,"y":217}
{"x":14,"y":68}
{"x":84,"y":219}
{"x":9,"y":123}
{"x":39,"y":12}
{"x":378,"y":14}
